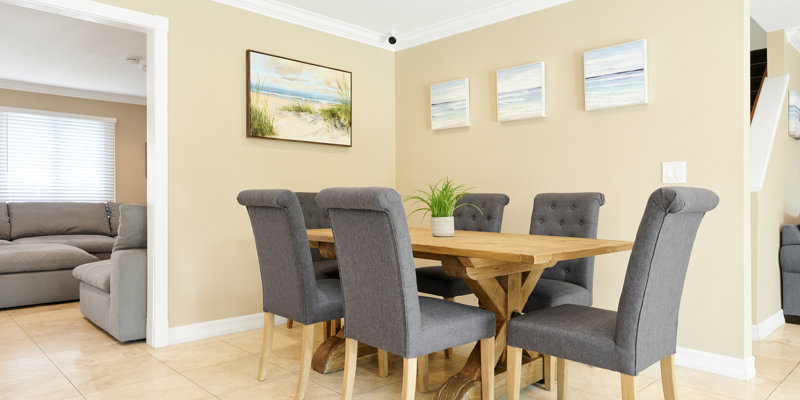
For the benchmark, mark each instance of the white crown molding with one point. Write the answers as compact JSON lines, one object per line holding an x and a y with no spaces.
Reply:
{"x":69,"y":92}
{"x":767,"y":326}
{"x":742,"y":369}
{"x":793,"y":37}
{"x":226,"y":326}
{"x":308,"y":19}
{"x":474,"y":20}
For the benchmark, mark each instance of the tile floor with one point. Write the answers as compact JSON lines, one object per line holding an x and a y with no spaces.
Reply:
{"x":52,"y":352}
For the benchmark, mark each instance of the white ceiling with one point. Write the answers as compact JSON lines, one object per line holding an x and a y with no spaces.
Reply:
{"x":51,"y":51}
{"x":776,"y":14}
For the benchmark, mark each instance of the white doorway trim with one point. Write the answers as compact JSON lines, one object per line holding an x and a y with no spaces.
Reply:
{"x":157,"y":29}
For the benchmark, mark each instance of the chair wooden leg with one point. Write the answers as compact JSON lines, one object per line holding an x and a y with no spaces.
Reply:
{"x":561,"y":367}
{"x":487,"y":368}
{"x":266,"y":345}
{"x":422,"y":373}
{"x":350,"y":359}
{"x":326,"y":329}
{"x":289,"y":324}
{"x":628,"y":387}
{"x":409,"y":376}
{"x":668,"y":377}
{"x":549,"y":367}
{"x":383,"y":363}
{"x":306,"y":352}
{"x":513,"y":373}
{"x":337,"y":326}
{"x":449,"y":352}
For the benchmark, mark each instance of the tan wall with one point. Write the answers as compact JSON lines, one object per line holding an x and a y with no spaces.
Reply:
{"x":131,"y":133}
{"x":779,"y":201}
{"x":213,"y":270}
{"x":697,"y":113}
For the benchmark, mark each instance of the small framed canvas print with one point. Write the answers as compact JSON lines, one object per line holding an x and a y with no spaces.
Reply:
{"x":615,"y":76}
{"x":794,"y":114}
{"x":450,"y":104}
{"x":520,"y":92}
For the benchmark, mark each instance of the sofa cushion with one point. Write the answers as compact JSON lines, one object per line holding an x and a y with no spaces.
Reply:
{"x":41,"y":257}
{"x":132,"y":227}
{"x":5,"y":242}
{"x":41,"y":219}
{"x":97,"y":274}
{"x":5,"y":226}
{"x":113,"y":217}
{"x":87,"y":243}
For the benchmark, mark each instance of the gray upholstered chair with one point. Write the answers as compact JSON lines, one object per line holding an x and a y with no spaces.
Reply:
{"x":645,"y":327}
{"x":382,"y":306}
{"x":565,"y":214}
{"x":287,"y":275}
{"x":790,"y":271}
{"x":113,"y":292}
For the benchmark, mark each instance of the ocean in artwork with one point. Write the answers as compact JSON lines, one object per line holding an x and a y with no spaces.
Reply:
{"x":520,"y":92}
{"x":794,"y":114}
{"x":450,"y":104}
{"x":616,"y":76}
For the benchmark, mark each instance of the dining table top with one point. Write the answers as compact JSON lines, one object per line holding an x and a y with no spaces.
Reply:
{"x":508,"y":247}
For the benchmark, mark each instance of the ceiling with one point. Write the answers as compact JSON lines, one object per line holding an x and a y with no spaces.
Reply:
{"x":44,"y":52}
{"x":775,"y":14}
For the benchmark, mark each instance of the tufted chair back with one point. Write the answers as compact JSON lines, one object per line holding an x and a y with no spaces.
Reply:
{"x":467,"y":218}
{"x":573,"y":215}
{"x":315,"y":217}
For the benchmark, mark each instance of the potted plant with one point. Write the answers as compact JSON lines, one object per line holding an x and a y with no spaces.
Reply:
{"x":441,"y":200}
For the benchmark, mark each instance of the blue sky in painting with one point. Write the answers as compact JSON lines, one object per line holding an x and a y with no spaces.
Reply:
{"x":522,"y":77}
{"x":611,"y":60}
{"x":284,"y":76}
{"x":446,"y":92}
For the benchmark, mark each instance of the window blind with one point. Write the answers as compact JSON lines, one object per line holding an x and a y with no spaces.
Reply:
{"x":55,"y":157}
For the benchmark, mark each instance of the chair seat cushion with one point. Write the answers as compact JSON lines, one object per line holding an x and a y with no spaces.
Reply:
{"x":41,"y":257}
{"x":87,"y":243}
{"x":97,"y":274}
{"x":326,"y":269}
{"x":446,"y":324}
{"x":433,"y":280}
{"x":577,"y":333}
{"x":550,"y":293}
{"x":329,"y":300}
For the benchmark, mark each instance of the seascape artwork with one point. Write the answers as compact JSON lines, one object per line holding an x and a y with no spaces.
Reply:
{"x":794,"y":114}
{"x":294,"y":100}
{"x":616,"y":76}
{"x":520,"y":92}
{"x":450,"y":104}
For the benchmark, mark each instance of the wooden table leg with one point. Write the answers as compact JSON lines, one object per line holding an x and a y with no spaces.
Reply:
{"x":329,"y":356}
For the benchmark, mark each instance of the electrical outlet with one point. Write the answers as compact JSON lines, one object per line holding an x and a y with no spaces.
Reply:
{"x":673,"y":172}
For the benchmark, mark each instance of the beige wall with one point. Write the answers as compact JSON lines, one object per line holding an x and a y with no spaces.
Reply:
{"x":779,"y":201}
{"x":697,"y":113}
{"x":131,"y":133}
{"x":213,"y":270}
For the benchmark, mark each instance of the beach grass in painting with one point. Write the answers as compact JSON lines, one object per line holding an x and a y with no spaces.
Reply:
{"x":616,"y":76}
{"x":520,"y":92}
{"x":450,"y":104}
{"x":294,"y":100}
{"x":794,"y":114}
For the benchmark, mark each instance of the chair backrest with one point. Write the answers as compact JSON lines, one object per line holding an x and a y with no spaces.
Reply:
{"x":376,"y":266}
{"x":314,"y":216}
{"x":647,"y":318}
{"x":489,"y":219}
{"x":568,"y":214}
{"x":287,"y":275}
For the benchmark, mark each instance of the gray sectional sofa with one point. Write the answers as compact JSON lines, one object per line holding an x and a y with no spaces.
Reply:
{"x":40,"y":244}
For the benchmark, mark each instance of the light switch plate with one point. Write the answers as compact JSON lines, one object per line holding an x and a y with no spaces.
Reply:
{"x":673,"y":172}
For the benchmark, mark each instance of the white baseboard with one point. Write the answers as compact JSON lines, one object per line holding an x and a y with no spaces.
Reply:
{"x":738,"y":368}
{"x":209,"y":329}
{"x":767,"y":326}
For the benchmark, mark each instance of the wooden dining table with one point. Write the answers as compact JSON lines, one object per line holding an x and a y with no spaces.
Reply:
{"x":501,"y":269}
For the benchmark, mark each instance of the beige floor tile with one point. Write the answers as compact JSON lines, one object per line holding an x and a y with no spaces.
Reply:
{"x":28,"y":367}
{"x":786,"y":391}
{"x":534,"y":392}
{"x":281,"y":389}
{"x":598,"y":381}
{"x":367,"y":378}
{"x":794,"y":376}
{"x":784,"y":350}
{"x":48,"y":386}
{"x":756,"y":388}
{"x":32,"y":315}
{"x":67,"y":334}
{"x":193,"y":356}
{"x":6,"y":321}
{"x":250,"y":341}
{"x":656,"y":392}
{"x":16,"y":344}
{"x":786,"y":332}
{"x":99,"y":377}
{"x":85,"y":356}
{"x":232,"y":376}
{"x":167,"y":388}
{"x":774,"y":368}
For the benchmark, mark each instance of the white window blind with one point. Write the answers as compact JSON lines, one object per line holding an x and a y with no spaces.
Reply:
{"x":55,"y":157}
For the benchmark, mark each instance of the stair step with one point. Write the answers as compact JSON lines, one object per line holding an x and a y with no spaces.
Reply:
{"x":759,"y":55}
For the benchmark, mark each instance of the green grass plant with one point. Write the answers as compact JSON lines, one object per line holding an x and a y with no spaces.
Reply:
{"x":339,"y":116}
{"x":441,"y":199}
{"x":262,"y":122}
{"x":299,"y":108}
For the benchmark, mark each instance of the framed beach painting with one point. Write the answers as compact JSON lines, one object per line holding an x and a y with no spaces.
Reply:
{"x":450,"y":104}
{"x":294,"y":100}
{"x":794,"y":114}
{"x":615,"y":76}
{"x":520,"y":92}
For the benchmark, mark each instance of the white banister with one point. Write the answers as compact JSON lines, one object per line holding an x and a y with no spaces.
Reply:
{"x":769,"y":111}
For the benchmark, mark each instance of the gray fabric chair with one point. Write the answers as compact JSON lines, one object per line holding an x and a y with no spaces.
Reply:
{"x":287,"y":275}
{"x":433,"y":280}
{"x":382,"y":306}
{"x":645,"y":327}
{"x":565,"y":214}
{"x":790,"y":271}
{"x":113,"y":292}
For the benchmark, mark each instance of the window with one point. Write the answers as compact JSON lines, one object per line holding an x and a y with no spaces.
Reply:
{"x":47,"y":156}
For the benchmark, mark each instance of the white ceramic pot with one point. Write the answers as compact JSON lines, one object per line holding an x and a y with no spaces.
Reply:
{"x":442,"y":226}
